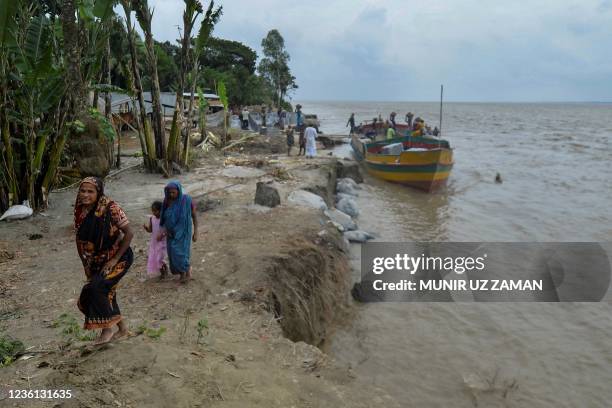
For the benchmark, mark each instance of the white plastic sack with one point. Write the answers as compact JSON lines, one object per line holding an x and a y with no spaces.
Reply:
{"x":393,"y":149}
{"x":18,"y":212}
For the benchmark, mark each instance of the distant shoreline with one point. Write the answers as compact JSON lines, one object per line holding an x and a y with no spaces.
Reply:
{"x":302,"y":101}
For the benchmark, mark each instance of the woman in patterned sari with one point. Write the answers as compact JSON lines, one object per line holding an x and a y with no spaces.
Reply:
{"x":103,"y":237}
{"x":178,"y":215}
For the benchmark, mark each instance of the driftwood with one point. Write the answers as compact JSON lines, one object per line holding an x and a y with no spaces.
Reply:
{"x":109,"y":176}
{"x":237,"y":142}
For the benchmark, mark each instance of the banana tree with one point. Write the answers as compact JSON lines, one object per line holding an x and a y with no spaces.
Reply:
{"x":43,"y":88}
{"x":31,"y":111}
{"x":193,"y":8}
{"x":224,"y":100}
{"x":207,"y":26}
{"x":8,"y":11}
{"x":144,"y":15}
{"x":148,"y":148}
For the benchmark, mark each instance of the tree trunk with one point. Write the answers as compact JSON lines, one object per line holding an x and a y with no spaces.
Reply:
{"x":144,"y":125}
{"x":5,"y":129}
{"x":139,"y":127}
{"x":108,"y":114}
{"x":175,"y":131}
{"x":9,"y":170}
{"x":54,"y":160}
{"x":76,"y":91}
{"x":157,"y":114}
{"x":187,"y":141}
{"x":145,"y":16}
{"x":118,"y":132}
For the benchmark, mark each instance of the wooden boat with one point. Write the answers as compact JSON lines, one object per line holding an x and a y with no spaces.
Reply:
{"x":424,"y":163}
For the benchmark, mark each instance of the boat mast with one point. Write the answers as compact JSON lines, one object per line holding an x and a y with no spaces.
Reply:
{"x":440,"y":128}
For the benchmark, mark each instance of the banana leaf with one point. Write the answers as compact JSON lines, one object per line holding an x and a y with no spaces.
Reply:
{"x":103,"y":9}
{"x":8,"y":10}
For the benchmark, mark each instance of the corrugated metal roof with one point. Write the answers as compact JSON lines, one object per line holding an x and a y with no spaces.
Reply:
{"x":167,"y":99}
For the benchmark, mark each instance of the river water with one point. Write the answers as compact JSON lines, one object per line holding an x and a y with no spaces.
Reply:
{"x":554,"y":160}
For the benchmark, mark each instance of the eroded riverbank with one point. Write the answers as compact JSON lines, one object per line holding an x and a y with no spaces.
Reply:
{"x":261,"y":275}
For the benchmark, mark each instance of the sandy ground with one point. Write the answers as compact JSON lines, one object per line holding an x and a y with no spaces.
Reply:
{"x":238,"y":358}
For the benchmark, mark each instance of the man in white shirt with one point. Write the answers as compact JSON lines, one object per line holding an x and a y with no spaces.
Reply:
{"x":311,"y":144}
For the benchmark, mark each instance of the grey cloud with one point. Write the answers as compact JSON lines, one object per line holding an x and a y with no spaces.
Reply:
{"x":393,"y":49}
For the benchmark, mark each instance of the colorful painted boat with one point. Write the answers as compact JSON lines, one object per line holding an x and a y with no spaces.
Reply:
{"x":425,"y":163}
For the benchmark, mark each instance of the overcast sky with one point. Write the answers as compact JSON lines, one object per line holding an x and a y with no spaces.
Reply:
{"x":481,"y":50}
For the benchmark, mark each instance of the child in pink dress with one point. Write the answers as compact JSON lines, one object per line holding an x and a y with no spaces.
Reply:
{"x":156,"y":266}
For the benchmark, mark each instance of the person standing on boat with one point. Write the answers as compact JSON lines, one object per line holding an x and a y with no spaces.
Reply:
{"x":390,"y":133}
{"x":392,"y":120}
{"x":351,"y":121}
{"x":419,"y":127}
{"x":310,"y":135}
{"x":408,"y":119}
{"x":374,"y":130}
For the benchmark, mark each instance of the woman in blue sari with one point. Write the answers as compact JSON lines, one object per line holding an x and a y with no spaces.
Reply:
{"x":177,"y":216}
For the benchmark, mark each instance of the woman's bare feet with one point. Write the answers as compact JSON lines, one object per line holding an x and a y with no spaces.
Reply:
{"x":122,"y":331}
{"x":164,"y":272}
{"x":104,"y":337}
{"x":189,"y":275}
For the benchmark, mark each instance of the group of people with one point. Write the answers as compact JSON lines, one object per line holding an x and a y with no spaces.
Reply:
{"x":389,"y":127}
{"x":103,"y":238}
{"x":282,"y":117}
{"x":307,"y":140}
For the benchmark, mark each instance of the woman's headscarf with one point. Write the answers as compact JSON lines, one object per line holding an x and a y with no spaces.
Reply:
{"x":93,"y":225}
{"x":173,"y":216}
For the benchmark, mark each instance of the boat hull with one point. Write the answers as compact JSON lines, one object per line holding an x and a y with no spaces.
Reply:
{"x":426,"y":170}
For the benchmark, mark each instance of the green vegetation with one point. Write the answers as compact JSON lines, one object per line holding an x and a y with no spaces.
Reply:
{"x":61,"y":58}
{"x":9,"y":349}
{"x":202,"y":326}
{"x":71,"y":329}
{"x":274,"y":67}
{"x":150,"y":332}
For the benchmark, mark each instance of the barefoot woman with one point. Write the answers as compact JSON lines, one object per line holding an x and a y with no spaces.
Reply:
{"x":178,"y":215}
{"x":103,"y":237}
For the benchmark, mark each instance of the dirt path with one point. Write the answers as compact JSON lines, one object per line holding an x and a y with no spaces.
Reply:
{"x":213,"y":342}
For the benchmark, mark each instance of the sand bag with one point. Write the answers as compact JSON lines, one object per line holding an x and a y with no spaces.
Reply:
{"x":348,"y":206}
{"x":18,"y":212}
{"x":345,"y":220}
{"x":347,"y":186}
{"x":358,"y":236}
{"x":307,"y":199}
